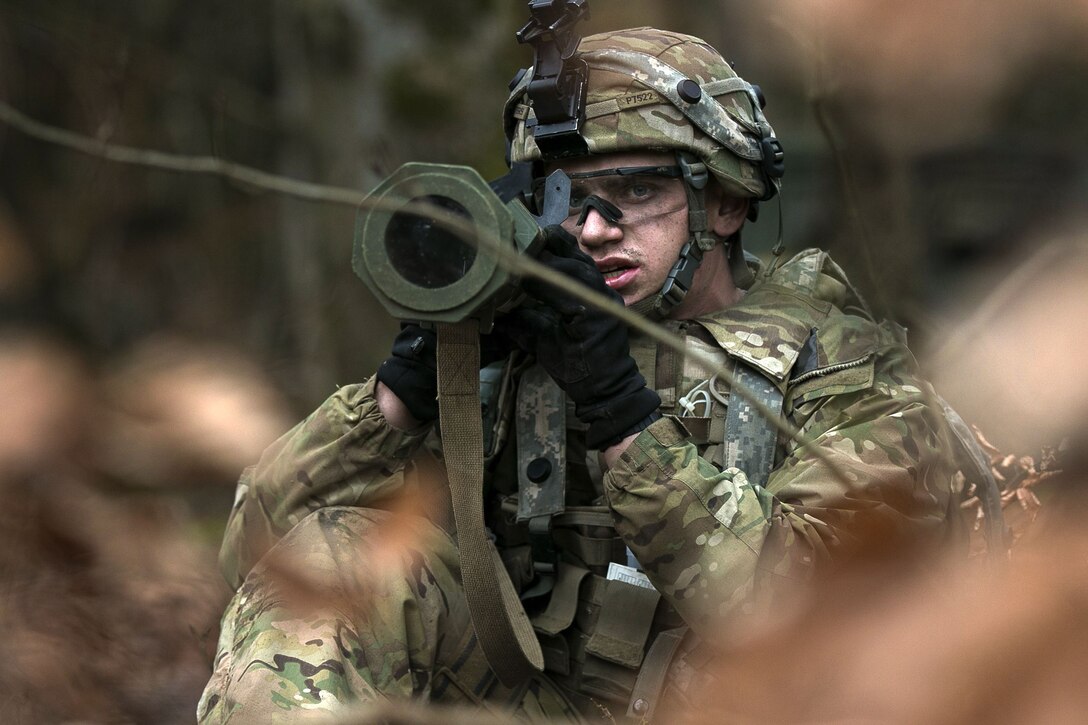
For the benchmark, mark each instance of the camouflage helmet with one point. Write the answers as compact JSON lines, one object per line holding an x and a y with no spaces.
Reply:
{"x":641,"y":96}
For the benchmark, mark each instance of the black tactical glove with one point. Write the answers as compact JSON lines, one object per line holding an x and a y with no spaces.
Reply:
{"x":411,"y":371}
{"x":583,"y":349}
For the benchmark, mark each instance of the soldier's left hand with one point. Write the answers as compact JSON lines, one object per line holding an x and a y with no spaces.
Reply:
{"x":585,"y":350}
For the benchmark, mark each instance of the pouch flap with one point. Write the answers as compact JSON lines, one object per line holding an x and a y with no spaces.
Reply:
{"x":623,"y":625}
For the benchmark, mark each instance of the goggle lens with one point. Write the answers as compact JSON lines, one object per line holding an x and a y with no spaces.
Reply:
{"x":640,"y":193}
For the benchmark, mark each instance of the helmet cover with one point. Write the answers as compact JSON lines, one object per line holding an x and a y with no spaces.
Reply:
{"x":639,"y":99}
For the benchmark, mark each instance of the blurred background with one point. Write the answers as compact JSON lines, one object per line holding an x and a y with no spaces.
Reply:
{"x":158,"y":329}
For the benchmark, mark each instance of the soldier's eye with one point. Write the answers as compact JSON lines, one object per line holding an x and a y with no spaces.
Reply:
{"x":577,"y":199}
{"x":639,"y":191}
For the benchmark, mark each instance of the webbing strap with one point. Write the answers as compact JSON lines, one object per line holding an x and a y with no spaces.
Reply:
{"x":506,"y":635}
{"x":563,"y":604}
{"x":750,"y":438}
{"x":651,"y":676}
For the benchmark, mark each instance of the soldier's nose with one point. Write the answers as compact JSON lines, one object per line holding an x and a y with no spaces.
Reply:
{"x":597,"y":230}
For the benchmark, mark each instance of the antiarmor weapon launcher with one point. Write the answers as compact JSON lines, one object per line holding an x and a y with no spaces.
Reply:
{"x":422,"y":269}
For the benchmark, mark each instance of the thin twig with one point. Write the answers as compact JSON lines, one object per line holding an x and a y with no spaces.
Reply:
{"x":174,"y":162}
{"x":818,"y":95}
{"x":509,"y":259}
{"x":505,"y":253}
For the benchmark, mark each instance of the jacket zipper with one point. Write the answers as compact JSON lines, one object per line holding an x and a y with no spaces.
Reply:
{"x":831,"y":369}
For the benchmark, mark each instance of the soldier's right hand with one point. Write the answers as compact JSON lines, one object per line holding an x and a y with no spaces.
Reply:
{"x":411,"y":370}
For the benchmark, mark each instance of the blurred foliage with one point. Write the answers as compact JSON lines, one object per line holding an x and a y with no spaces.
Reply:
{"x":441,"y":22}
{"x":419,"y":97}
{"x":344,"y":92}
{"x":1046,"y":99}
{"x":928,"y":149}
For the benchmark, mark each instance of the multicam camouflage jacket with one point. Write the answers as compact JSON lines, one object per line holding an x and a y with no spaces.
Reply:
{"x":713,"y":539}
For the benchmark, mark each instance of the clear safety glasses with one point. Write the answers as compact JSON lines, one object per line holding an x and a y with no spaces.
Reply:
{"x":624,"y":196}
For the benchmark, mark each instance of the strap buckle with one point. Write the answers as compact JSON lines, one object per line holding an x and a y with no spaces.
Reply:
{"x":774,"y":157}
{"x":682,"y":274}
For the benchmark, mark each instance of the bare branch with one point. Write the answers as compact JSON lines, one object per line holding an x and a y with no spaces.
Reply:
{"x":173,"y":162}
{"x":506,"y":255}
{"x":509,"y":259}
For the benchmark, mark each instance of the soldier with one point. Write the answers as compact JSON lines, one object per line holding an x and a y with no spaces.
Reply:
{"x":696,"y":510}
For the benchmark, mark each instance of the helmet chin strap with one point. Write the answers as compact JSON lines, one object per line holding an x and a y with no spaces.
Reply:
{"x":700,"y":240}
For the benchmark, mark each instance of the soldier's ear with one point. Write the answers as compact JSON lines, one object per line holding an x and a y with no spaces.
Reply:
{"x":724,"y":214}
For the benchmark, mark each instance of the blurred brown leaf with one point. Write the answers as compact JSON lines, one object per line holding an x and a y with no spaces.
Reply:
{"x":175,"y":408}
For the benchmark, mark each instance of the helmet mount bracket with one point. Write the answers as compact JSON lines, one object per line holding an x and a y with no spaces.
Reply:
{"x":558,"y":84}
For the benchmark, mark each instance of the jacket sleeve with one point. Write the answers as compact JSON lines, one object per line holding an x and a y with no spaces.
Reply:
{"x":352,"y":605}
{"x":344,"y":454}
{"x":711,"y":542}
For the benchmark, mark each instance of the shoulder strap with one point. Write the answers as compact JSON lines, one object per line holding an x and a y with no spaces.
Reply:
{"x":542,"y":452}
{"x":986,"y":488}
{"x":506,"y":635}
{"x":750,"y":438}
{"x":541,"y":429}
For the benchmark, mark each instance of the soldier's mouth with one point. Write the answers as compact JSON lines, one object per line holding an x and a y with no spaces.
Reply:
{"x":616,"y":276}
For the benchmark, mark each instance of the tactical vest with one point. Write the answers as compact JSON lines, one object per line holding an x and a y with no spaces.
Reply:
{"x":595,"y":614}
{"x":606,"y":633}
